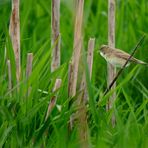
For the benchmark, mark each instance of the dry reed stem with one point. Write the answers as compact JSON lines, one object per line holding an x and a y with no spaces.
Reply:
{"x":111,"y":42}
{"x":9,"y":76}
{"x":51,"y":105}
{"x":70,"y":78}
{"x":29,"y":68}
{"x":53,"y":100}
{"x":90,"y":54}
{"x":29,"y":64}
{"x":73,"y":70}
{"x":83,"y":126}
{"x":14,"y":30}
{"x":55,"y":11}
{"x":73,"y":66}
{"x":82,"y":113}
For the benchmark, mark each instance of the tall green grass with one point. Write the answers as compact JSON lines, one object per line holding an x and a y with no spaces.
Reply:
{"x":22,"y":117}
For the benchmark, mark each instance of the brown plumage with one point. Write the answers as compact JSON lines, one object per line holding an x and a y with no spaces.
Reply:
{"x":117,"y":57}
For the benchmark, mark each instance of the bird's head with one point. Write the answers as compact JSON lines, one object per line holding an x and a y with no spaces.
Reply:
{"x":103,"y":49}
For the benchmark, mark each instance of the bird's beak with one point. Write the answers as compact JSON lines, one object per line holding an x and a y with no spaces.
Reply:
{"x":101,"y":54}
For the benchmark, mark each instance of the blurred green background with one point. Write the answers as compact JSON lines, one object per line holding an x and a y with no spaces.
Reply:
{"x":35,"y":25}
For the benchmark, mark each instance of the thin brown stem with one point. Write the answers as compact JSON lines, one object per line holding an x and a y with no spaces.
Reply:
{"x":111,"y":42}
{"x":29,"y":64}
{"x":82,"y":112}
{"x":90,"y":63}
{"x":73,"y":70}
{"x":9,"y":76}
{"x":29,"y":68}
{"x":55,"y":11}
{"x":74,"y":65}
{"x":14,"y":30}
{"x":53,"y":100}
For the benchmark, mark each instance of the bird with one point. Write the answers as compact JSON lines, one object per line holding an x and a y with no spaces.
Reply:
{"x":118,"y":57}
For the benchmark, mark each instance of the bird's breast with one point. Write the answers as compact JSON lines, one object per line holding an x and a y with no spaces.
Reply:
{"x":117,"y":62}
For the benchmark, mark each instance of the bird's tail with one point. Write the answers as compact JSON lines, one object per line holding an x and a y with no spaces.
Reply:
{"x":139,"y":62}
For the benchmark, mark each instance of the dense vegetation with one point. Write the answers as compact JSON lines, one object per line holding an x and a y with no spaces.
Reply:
{"x":22,"y":117}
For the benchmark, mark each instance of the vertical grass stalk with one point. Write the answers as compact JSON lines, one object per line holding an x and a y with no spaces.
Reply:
{"x":74,"y":65}
{"x":111,"y":42}
{"x":9,"y":76}
{"x":14,"y":30}
{"x":90,"y":54}
{"x":53,"y":100}
{"x":82,"y":114}
{"x":55,"y":18}
{"x":73,"y":69}
{"x":29,"y":68}
{"x":29,"y":64}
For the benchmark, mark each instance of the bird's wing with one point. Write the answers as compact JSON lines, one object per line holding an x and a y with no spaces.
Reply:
{"x":125,"y":56}
{"x":121,"y":54}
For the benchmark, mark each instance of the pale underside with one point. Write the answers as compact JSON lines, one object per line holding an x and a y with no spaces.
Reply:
{"x":115,"y":61}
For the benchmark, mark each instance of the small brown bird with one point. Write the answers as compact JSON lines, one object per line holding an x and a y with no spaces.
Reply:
{"x":117,"y":57}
